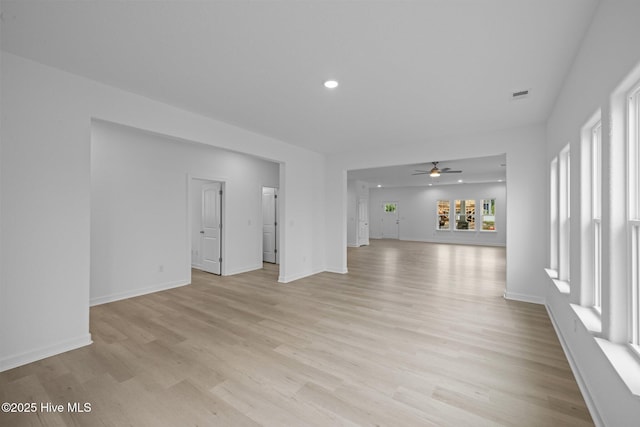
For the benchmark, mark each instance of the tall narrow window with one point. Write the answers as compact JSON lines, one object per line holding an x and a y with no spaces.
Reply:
{"x":553,"y":205}
{"x":564,"y":210}
{"x":489,"y":215}
{"x":634,"y":210}
{"x":444,"y":207}
{"x":596,"y":208}
{"x":465,"y":214}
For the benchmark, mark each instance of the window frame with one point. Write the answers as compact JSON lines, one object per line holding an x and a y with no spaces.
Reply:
{"x":554,"y":216}
{"x":456,"y":206}
{"x":633,"y":214}
{"x":596,"y":213}
{"x":564,"y":214}
{"x":447,"y":215}
{"x":492,"y":201}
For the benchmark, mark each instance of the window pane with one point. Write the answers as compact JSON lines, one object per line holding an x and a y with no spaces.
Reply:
{"x":596,"y":198}
{"x":444,"y":207}
{"x":465,"y":214}
{"x":597,"y":263}
{"x":553,"y":205}
{"x":489,"y":214}
{"x":635,"y":285}
{"x":596,"y":172}
{"x":636,"y":142}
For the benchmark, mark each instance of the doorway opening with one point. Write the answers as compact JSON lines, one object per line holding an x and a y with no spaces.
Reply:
{"x":206,"y":199}
{"x":270,"y":242}
{"x":390,"y":221}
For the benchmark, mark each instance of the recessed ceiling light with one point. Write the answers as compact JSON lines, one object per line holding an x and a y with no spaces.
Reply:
{"x":499,"y":180}
{"x":331,"y":84}
{"x":430,"y":184}
{"x":379,"y":185}
{"x":459,"y":180}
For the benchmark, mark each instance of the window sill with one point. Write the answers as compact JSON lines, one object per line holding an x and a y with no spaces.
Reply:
{"x":624,"y":359}
{"x":590,"y":318}
{"x":561,"y":285}
{"x":625,"y":363}
{"x":553,"y":274}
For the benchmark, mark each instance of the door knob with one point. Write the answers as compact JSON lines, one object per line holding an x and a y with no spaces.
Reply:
{"x":202,"y":232}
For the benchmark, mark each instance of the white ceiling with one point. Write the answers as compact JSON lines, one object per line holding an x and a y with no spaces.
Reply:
{"x":409,"y":71}
{"x":476,"y":170}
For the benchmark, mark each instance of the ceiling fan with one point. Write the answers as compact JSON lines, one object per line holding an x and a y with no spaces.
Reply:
{"x":435,"y":171}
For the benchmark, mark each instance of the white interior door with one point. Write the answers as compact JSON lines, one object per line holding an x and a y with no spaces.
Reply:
{"x":211,"y":227}
{"x":363,"y":222}
{"x":390,"y":221}
{"x":269,"y":224}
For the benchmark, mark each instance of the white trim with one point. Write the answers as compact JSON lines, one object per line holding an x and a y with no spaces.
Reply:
{"x":453,"y":242}
{"x":632,"y":117}
{"x":244,"y":269}
{"x":261,"y":227}
{"x":534,"y":299}
{"x":564,"y":213}
{"x":14,"y":361}
{"x":223,"y":244}
{"x":294,"y":277}
{"x":138,"y":292}
{"x":588,"y":399}
{"x":336,"y":271}
{"x":554,"y":217}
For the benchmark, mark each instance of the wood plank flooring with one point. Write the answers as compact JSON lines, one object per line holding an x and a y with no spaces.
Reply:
{"x":416,"y":334}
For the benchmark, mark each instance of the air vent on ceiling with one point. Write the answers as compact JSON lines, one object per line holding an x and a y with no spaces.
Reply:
{"x":520,"y":94}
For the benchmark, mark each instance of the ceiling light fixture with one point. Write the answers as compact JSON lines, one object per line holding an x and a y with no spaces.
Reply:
{"x":459,"y":180}
{"x":379,"y":185}
{"x":434,"y":172}
{"x":331,"y":84}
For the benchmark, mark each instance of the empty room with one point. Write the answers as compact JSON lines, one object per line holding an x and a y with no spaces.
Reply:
{"x":287,"y":213}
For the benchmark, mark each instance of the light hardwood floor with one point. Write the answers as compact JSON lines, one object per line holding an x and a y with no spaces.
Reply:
{"x":416,"y":334}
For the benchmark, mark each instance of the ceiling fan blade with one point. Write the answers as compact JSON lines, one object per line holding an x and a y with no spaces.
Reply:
{"x":449,"y":171}
{"x":421,"y":173}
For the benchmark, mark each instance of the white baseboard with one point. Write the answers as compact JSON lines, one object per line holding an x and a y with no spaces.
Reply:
{"x":453,"y":242}
{"x":243,"y":270}
{"x":337,"y":270}
{"x":137,"y":292}
{"x":44,"y":352}
{"x":588,"y":399}
{"x":524,"y":298}
{"x":293,"y":277}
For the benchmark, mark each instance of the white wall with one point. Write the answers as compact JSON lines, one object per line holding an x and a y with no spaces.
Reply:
{"x":139,"y":209}
{"x":525,"y":161}
{"x":417,"y":212}
{"x":45,"y":187}
{"x":609,"y":52}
